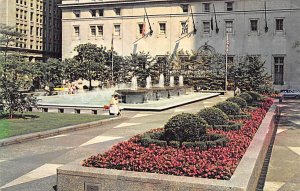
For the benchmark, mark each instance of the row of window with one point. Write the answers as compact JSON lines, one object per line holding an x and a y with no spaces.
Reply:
{"x":185,"y":9}
{"x":24,"y":2}
{"x":97,"y":30}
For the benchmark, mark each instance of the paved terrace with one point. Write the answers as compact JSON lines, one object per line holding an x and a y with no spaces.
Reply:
{"x":31,"y":166}
{"x":283,"y":170}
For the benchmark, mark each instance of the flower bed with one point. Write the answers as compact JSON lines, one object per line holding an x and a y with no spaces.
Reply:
{"x":216,"y":162}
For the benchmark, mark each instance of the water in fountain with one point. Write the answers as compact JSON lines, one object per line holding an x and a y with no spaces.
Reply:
{"x":134,"y":85}
{"x":180,"y":80}
{"x":171,"y":81}
{"x":97,"y":97}
{"x":161,"y":83}
{"x":148,"y":82}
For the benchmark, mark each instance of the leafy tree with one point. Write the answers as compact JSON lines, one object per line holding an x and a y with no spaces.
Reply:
{"x":8,"y":37}
{"x":140,"y":65}
{"x":15,"y":79}
{"x":249,"y":74}
{"x":89,"y":63}
{"x":51,"y":72}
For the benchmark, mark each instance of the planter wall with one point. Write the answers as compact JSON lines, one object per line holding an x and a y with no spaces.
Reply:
{"x":74,"y":177}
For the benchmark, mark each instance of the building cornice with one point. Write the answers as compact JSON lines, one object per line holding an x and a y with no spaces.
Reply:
{"x":127,"y":3}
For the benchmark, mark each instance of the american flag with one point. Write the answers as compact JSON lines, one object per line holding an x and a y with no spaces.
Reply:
{"x":227,"y":44}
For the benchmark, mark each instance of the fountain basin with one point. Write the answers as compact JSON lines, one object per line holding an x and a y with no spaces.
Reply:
{"x":143,"y":95}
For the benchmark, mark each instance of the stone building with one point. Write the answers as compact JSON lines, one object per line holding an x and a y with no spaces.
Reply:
{"x":269,"y":30}
{"x":39,"y":22}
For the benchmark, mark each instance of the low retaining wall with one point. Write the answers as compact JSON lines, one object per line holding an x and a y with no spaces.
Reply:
{"x":74,"y":177}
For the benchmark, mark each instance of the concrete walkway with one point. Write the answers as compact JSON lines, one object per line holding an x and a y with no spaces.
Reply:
{"x":284,"y":167}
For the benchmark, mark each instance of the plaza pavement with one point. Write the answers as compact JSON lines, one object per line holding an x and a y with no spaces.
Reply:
{"x":284,"y":168}
{"x":31,"y":166}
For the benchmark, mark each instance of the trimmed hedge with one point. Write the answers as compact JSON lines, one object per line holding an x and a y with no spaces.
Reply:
{"x":238,"y":100}
{"x":255,"y":96}
{"x":185,"y":127}
{"x":228,"y":127}
{"x":228,"y":107}
{"x":246,"y":97}
{"x":213,"y":116}
{"x":240,"y":116}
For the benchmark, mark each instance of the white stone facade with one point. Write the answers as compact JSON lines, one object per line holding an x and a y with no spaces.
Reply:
{"x":281,"y":41}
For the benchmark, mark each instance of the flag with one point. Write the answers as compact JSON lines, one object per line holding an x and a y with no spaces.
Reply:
{"x":112,"y":41}
{"x":227,"y":44}
{"x":144,"y":27}
{"x":212,"y":23}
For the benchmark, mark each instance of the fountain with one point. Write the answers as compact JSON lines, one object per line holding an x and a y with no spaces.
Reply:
{"x":161,"y":83}
{"x":137,"y":94}
{"x":171,"y":81}
{"x":148,"y":82}
{"x":180,"y":80}
{"x":134,"y":85}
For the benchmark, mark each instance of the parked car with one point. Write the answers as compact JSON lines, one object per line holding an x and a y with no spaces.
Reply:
{"x":290,"y":93}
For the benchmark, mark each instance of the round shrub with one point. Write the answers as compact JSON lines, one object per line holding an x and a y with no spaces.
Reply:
{"x":228,"y":107}
{"x":213,"y":116}
{"x":238,"y":100}
{"x":185,"y":127}
{"x":255,"y":96}
{"x":246,"y":97}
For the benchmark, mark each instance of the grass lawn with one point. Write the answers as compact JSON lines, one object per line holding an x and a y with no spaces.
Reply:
{"x":43,"y":121}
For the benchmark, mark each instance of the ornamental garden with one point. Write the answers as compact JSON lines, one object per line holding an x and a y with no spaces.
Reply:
{"x":208,"y":144}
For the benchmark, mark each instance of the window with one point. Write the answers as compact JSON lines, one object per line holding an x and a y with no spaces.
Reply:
{"x":93,"y":13}
{"x":100,"y":30}
{"x":278,"y":70}
{"x":229,"y":6}
{"x":117,"y":31}
{"x":162,"y":28}
{"x":185,"y":8}
{"x":206,"y":7}
{"x":254,"y":25}
{"x":76,"y":30}
{"x":101,"y":12}
{"x":31,"y":30}
{"x":93,"y":30}
{"x":118,"y":11}
{"x":141,"y":28}
{"x":279,"y":24}
{"x":206,"y":27}
{"x":31,"y":16}
{"x":229,"y":26}
{"x":230,"y":59}
{"x":184,"y":27}
{"x":77,"y":13}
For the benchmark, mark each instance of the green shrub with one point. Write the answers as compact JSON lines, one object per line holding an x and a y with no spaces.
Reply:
{"x":228,"y":107}
{"x":238,"y":100}
{"x":213,"y":116}
{"x":185,"y":127}
{"x":246,"y":97}
{"x":255,"y":96}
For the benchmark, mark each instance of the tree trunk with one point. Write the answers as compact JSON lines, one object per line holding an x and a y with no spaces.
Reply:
{"x":90,"y":81}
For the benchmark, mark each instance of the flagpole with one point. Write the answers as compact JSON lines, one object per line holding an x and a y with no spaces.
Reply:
{"x":112,"y":58}
{"x":226,"y":60}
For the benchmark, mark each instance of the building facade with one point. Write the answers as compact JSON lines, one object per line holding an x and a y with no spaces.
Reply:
{"x":269,"y":30}
{"x":39,"y":22}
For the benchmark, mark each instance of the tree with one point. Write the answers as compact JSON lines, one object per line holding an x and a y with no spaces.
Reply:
{"x":89,"y":63}
{"x":8,"y":37}
{"x":249,"y":73}
{"x":140,"y":65}
{"x":15,"y":79}
{"x":50,"y":72}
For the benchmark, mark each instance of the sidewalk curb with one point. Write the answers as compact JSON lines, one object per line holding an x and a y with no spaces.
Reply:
{"x":53,"y":132}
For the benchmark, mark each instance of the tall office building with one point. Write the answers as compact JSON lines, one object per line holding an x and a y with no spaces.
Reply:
{"x":268,"y":30}
{"x":35,"y":20}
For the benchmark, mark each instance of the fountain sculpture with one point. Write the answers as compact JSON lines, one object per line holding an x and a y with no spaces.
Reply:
{"x":141,"y":95}
{"x":171,"y":81}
